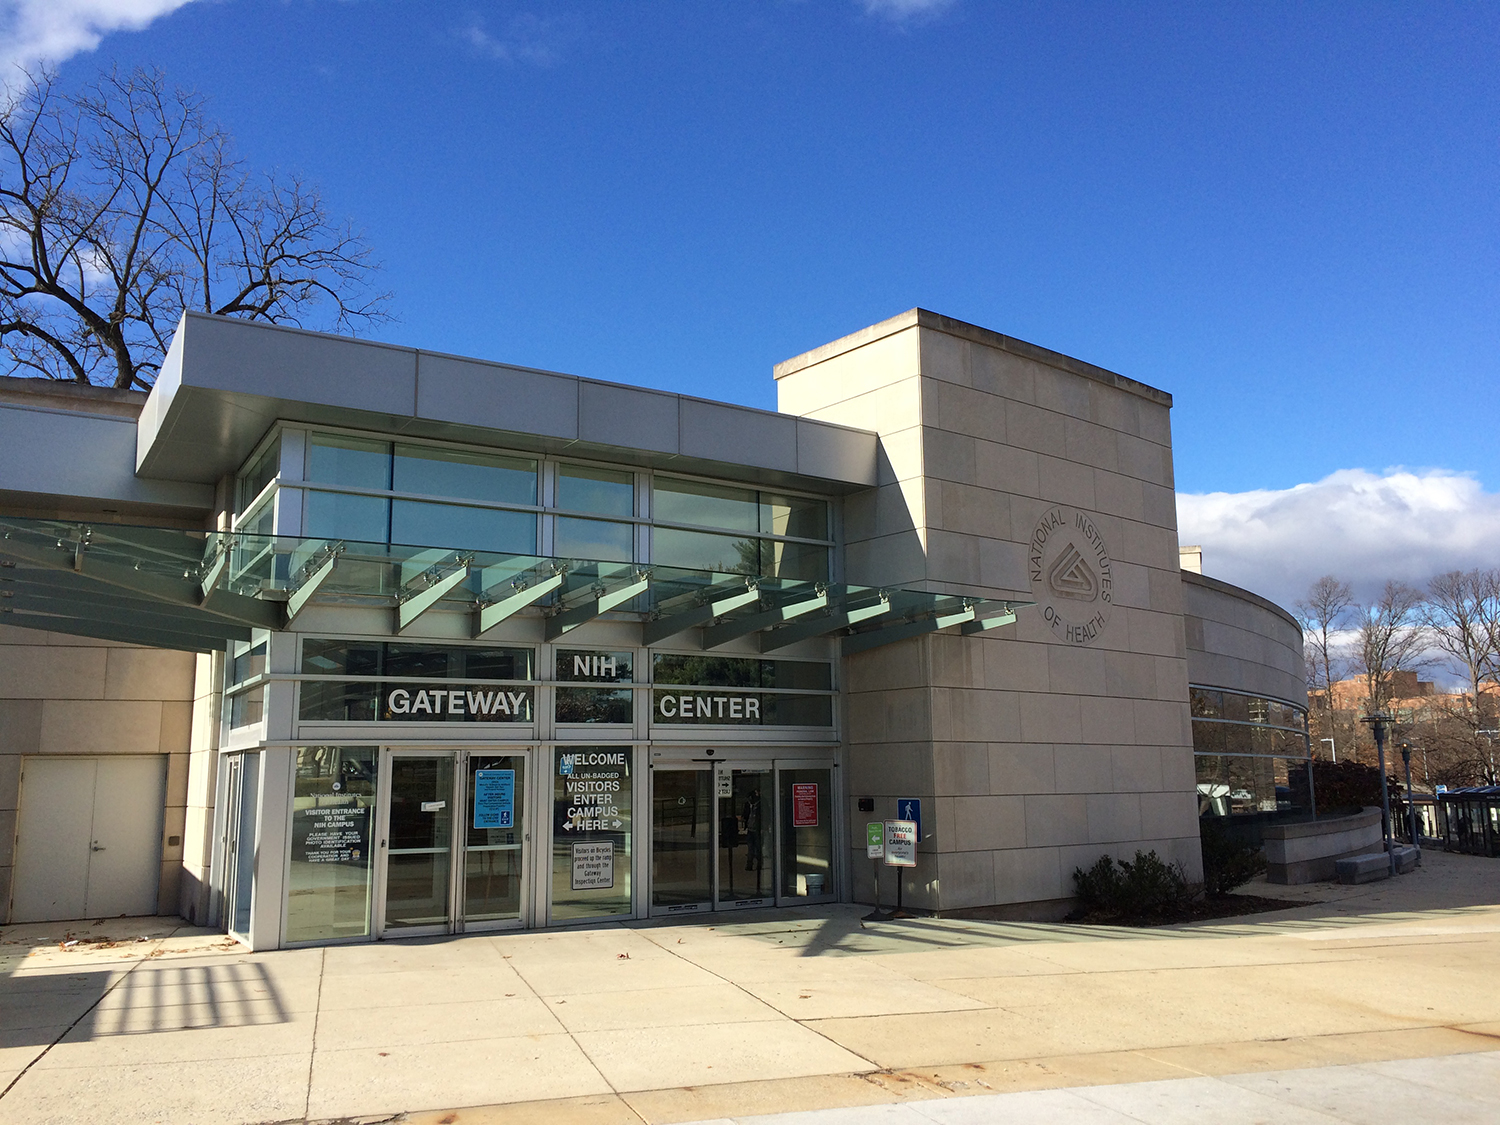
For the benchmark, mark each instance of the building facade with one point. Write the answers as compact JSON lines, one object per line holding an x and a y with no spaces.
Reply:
{"x":477,"y":646}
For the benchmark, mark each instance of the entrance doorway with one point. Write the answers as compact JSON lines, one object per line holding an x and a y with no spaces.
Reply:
{"x":88,"y":838}
{"x":241,"y":803}
{"x":738,"y":834}
{"x":453,"y":841}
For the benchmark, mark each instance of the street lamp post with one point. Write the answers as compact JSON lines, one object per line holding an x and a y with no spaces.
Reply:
{"x":1411,"y":804}
{"x":1378,"y":722}
{"x":1332,"y":749}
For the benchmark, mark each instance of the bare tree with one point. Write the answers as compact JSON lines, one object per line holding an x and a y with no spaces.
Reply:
{"x":123,"y":205}
{"x":1323,"y":614}
{"x":1391,"y":638}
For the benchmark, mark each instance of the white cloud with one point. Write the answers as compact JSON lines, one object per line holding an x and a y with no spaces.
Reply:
{"x":526,"y":39}
{"x":34,"y":32}
{"x":906,"y":11}
{"x":1359,"y":526}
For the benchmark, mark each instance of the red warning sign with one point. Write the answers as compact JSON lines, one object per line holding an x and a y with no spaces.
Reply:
{"x":804,"y":805}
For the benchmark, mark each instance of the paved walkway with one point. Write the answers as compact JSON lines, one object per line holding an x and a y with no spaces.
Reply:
{"x":776,"y":1011}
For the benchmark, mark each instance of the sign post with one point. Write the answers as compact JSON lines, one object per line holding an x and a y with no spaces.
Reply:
{"x":875,"y":852}
{"x":900,"y":851}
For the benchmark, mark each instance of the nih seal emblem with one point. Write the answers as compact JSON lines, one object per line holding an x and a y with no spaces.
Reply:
{"x":1071,"y":575}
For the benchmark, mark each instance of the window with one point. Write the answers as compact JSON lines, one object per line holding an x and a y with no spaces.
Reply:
{"x":1250,"y":753}
{"x":260,"y":473}
{"x":755,"y":515}
{"x":383,"y":681}
{"x":740,"y":691}
{"x":591,"y":806}
{"x":367,"y":491}
{"x":333,"y":809}
{"x":247,"y":661}
{"x":599,"y":702}
{"x":431,"y":471}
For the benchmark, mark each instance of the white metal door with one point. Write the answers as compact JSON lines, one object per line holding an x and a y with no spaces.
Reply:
{"x":52,"y":839}
{"x":125,"y":854}
{"x":88,"y":841}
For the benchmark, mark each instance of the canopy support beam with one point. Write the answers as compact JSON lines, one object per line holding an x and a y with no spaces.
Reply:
{"x":492,"y":613}
{"x":415,"y":603}
{"x":315,"y":578}
{"x":773,"y":639}
{"x":602,"y":602}
{"x":727,"y":631}
{"x":664,"y":627}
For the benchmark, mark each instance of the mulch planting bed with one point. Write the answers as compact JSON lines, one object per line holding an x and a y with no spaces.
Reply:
{"x":1199,"y":910}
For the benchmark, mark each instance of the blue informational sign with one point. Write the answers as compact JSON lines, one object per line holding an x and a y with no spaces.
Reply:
{"x":494,"y":798}
{"x":910,"y":808}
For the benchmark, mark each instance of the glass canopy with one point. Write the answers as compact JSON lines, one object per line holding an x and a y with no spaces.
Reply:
{"x":195,"y":590}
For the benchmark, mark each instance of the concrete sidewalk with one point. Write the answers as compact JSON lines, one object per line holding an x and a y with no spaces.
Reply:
{"x":1458,"y":1088}
{"x":764,"y":1013}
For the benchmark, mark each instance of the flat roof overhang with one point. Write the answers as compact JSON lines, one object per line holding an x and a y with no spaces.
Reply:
{"x":226,"y":381}
{"x":196,"y":590}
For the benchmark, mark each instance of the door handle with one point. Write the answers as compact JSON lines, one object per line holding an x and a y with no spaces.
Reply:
{"x":95,"y":848}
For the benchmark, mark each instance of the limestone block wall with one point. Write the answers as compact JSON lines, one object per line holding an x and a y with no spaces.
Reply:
{"x":1237,"y":639}
{"x":1044,"y":744}
{"x":61,"y":694}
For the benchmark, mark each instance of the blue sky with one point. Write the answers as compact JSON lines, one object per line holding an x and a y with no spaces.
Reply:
{"x":1286,"y":215}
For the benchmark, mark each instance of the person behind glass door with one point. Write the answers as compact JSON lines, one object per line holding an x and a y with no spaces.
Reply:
{"x":753,"y":860}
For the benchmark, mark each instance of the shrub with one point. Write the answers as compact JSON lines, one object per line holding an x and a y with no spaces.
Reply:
{"x":1142,"y":887}
{"x":1227,"y":863}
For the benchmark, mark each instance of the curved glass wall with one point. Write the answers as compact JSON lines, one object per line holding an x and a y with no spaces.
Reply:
{"x":1251,"y":753}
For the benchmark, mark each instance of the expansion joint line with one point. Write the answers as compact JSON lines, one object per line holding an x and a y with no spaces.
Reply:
{"x":312,"y":1053}
{"x":81,"y":1017}
{"x":582,"y":1050}
{"x":736,"y":984}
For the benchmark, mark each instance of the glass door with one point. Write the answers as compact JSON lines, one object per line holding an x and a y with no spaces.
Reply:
{"x":682,"y":839}
{"x":418,"y":842}
{"x":453,"y":840}
{"x":806,"y":831}
{"x":242,"y":804}
{"x":713,"y":836}
{"x":494,"y":830}
{"x":747,"y":837}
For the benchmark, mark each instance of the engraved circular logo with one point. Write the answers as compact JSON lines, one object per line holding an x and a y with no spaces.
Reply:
{"x":1071,"y":575}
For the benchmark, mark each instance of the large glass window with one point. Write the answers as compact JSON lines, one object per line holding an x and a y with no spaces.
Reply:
{"x":262,"y":471}
{"x":601,"y":492}
{"x":347,"y":516}
{"x":380,"y":681}
{"x":365,"y":490}
{"x":247,"y":660}
{"x":433,"y":471}
{"x":595,"y":698}
{"x":598,"y":540}
{"x":333,"y":803}
{"x":349,"y":461}
{"x":706,"y":505}
{"x":733,"y":691}
{"x":418,"y":524}
{"x":757,"y":514}
{"x":591,"y":832}
{"x":700,"y":550}
{"x":1250,"y":752}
